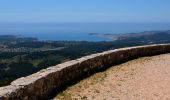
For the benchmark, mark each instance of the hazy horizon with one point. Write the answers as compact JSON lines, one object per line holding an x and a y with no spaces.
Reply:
{"x":77,"y":31}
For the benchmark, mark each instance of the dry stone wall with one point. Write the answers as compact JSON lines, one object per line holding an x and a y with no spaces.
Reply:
{"x":43,"y":83}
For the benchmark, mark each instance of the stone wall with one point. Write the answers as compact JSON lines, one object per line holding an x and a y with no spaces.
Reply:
{"x":43,"y":83}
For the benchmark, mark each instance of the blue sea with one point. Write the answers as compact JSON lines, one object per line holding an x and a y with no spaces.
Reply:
{"x":76,"y":31}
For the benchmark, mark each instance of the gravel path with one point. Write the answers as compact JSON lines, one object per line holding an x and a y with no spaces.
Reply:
{"x":146,"y":78}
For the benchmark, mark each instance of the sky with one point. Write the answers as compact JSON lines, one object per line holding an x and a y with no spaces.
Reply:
{"x":112,"y":11}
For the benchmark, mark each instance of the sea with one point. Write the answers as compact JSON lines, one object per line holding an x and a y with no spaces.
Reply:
{"x":76,"y":31}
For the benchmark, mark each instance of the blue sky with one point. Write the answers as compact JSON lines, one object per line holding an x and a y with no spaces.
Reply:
{"x":85,"y":11}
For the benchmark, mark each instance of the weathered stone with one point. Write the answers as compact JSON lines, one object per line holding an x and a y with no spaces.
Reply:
{"x":41,"y":84}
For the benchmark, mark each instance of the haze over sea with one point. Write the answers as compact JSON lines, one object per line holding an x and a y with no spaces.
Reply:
{"x":76,"y":31}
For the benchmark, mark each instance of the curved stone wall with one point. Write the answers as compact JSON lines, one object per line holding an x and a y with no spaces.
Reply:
{"x":43,"y":83}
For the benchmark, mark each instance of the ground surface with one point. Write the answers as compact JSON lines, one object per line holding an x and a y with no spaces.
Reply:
{"x":146,"y":78}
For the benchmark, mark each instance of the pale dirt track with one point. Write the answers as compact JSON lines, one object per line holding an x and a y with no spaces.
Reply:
{"x":145,"y":78}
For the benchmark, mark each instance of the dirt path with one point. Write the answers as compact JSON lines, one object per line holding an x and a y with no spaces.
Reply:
{"x":145,"y":78}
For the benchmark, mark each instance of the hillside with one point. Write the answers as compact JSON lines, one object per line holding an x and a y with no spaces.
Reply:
{"x":147,"y":36}
{"x":50,"y":81}
{"x":22,"y":56}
